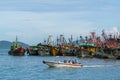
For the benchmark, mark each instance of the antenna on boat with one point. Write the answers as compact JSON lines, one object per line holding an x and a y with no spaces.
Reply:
{"x":16,"y":39}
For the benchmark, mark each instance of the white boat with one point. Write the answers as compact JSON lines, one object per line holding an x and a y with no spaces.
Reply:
{"x":62,"y":64}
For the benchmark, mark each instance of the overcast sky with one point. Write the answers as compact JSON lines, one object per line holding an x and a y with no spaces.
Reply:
{"x":33,"y":20}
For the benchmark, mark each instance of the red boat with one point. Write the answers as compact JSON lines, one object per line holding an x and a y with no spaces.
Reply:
{"x":17,"y":52}
{"x":16,"y":49}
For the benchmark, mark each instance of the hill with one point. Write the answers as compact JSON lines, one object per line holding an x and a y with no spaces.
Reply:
{"x":7,"y":44}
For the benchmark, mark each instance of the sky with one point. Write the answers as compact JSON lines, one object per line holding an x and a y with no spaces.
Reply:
{"x":32,"y":21}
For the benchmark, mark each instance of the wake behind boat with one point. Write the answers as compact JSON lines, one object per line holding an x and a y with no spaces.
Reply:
{"x":62,"y":64}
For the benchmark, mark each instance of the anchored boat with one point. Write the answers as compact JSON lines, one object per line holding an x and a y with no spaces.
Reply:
{"x":16,"y":49}
{"x":17,"y":52}
{"x":62,"y":64}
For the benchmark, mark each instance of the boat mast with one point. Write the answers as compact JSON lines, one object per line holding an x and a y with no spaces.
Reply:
{"x":16,"y":39}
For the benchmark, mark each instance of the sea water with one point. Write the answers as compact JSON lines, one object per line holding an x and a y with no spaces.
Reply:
{"x":31,"y":68}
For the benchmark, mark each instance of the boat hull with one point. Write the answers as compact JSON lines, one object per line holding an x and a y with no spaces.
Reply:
{"x":62,"y":64}
{"x":17,"y":52}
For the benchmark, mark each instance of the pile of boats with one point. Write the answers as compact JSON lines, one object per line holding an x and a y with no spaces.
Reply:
{"x":105,"y":46}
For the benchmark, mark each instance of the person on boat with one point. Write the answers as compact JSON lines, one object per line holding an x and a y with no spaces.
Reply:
{"x":65,"y":61}
{"x":70,"y":61}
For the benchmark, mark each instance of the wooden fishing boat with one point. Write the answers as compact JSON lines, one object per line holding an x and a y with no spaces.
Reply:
{"x":16,"y":49}
{"x":38,"y":50}
{"x":32,"y":50}
{"x":62,"y":64}
{"x":17,"y":52}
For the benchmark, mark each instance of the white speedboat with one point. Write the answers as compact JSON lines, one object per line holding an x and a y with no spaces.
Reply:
{"x":62,"y":64}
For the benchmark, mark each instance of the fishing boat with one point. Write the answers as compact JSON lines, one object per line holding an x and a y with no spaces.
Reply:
{"x":62,"y":64}
{"x":38,"y":50}
{"x":17,"y":52}
{"x":16,"y":49}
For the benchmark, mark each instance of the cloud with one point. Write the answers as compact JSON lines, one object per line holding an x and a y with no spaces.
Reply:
{"x":34,"y":20}
{"x":32,"y":25}
{"x":53,"y":5}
